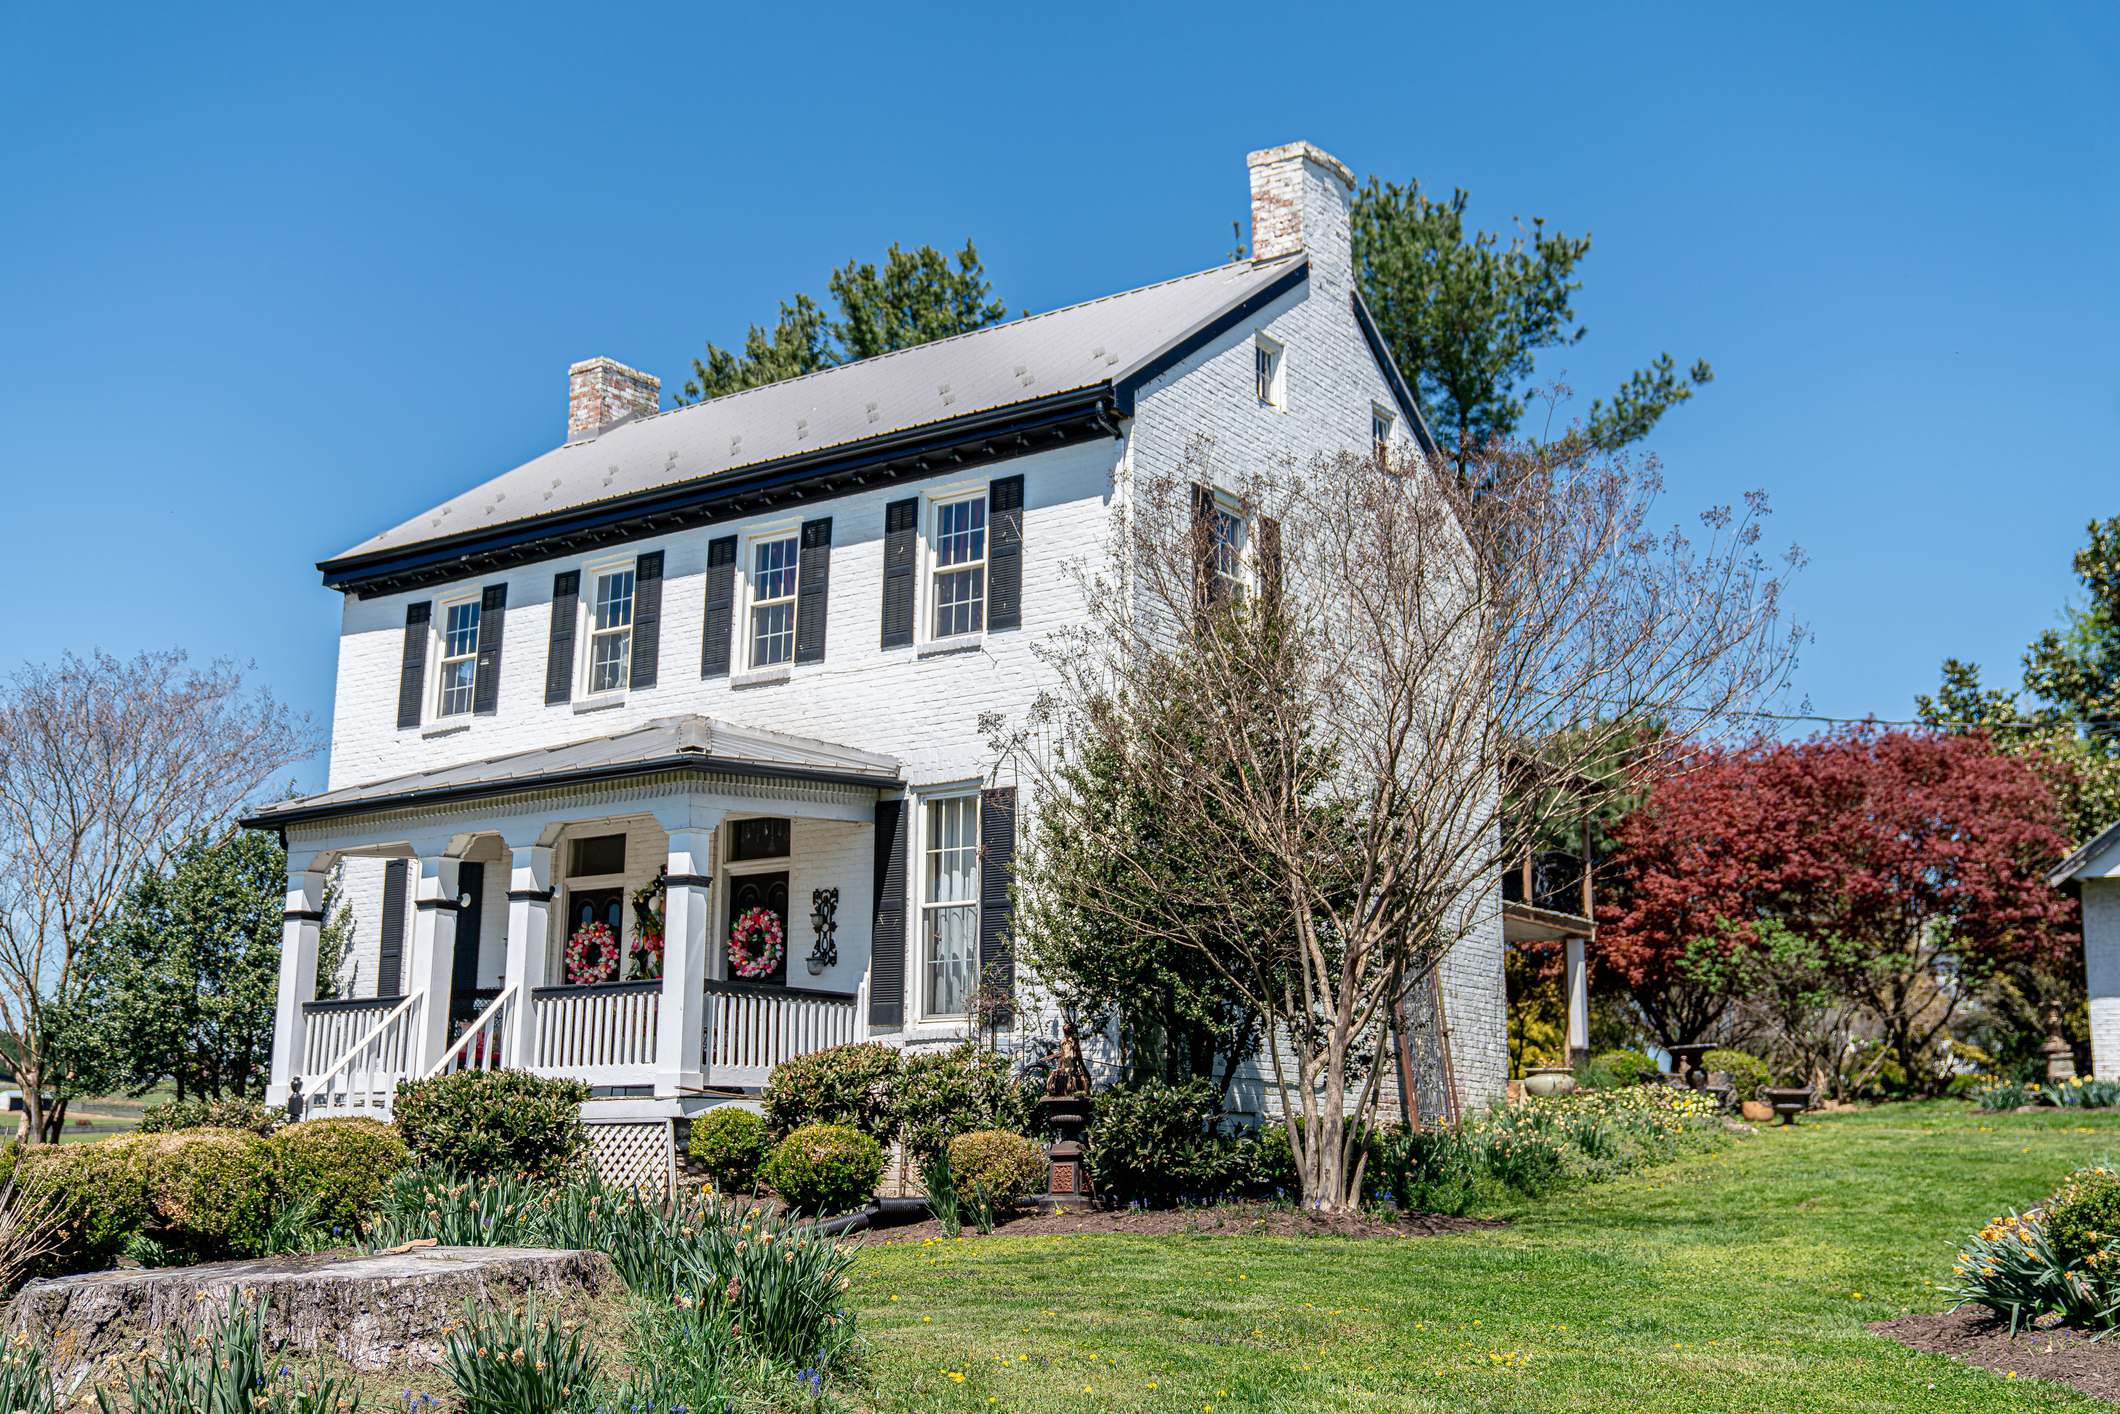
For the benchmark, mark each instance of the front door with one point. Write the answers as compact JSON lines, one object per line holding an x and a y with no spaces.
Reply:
{"x":770,"y":892}
{"x":467,"y":998}
{"x":586,"y":906}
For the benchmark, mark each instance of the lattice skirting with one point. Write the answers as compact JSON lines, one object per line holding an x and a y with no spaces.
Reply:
{"x":631,"y":1152}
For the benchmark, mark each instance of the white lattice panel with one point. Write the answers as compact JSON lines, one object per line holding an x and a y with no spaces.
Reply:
{"x":632,"y":1151}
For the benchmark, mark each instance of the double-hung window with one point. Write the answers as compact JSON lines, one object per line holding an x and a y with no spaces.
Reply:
{"x":1226,"y":551}
{"x":459,"y":657}
{"x":1380,"y":423}
{"x":960,"y":566}
{"x":611,"y":631}
{"x":949,"y":904}
{"x":773,"y":570}
{"x":1266,"y":369}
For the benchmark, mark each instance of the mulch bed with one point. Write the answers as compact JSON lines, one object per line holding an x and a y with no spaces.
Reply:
{"x":2059,"y":1353}
{"x":1232,"y":1221}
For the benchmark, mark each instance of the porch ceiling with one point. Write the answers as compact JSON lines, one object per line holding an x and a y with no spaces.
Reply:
{"x":689,"y":743}
{"x":1522,"y":923}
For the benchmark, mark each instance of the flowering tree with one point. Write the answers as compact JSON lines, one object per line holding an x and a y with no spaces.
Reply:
{"x":1911,"y":863}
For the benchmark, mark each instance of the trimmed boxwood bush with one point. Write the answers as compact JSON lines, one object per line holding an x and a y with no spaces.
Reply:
{"x":732,"y":1144}
{"x":826,"y":1168}
{"x":491,"y":1121}
{"x":231,"y":1113}
{"x":341,"y":1164}
{"x":212,"y":1191}
{"x":2085,"y":1214}
{"x":1002,"y":1161}
{"x":1747,"y":1072}
{"x":849,"y":1085}
{"x":1627,"y":1067}
{"x":103,"y":1189}
{"x":959,"y":1091}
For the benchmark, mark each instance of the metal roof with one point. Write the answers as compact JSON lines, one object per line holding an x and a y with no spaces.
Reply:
{"x":2076,"y":863}
{"x":688,"y":743}
{"x":1104,"y":343}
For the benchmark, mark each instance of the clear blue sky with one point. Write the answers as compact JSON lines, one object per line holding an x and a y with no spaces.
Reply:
{"x":277,"y":277}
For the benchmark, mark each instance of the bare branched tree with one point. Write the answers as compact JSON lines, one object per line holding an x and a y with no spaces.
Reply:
{"x":1349,"y":694}
{"x":105,"y":766}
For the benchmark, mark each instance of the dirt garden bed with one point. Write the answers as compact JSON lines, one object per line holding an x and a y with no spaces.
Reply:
{"x":1232,"y":1220}
{"x":2051,"y":1351}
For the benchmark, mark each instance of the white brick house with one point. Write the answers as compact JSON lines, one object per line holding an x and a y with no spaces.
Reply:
{"x":745,"y":644}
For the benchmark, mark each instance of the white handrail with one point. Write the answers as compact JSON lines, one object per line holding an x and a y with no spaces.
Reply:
{"x":488,"y":1054}
{"x":318,"y":1084}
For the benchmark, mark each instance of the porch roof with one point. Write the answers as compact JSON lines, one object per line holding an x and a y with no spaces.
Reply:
{"x":689,"y":743}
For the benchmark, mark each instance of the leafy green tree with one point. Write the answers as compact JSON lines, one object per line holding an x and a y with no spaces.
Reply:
{"x":915,"y":299}
{"x":1466,"y":317}
{"x":181,"y":981}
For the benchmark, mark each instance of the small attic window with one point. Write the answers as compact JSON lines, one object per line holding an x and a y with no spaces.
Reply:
{"x":1380,"y":426}
{"x":1266,"y":368}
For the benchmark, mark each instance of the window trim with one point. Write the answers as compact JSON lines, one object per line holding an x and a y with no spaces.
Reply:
{"x":1244,"y":579}
{"x":926,"y":602}
{"x":586,"y":632}
{"x":438,"y":647}
{"x":923,"y":990}
{"x":746,"y":576}
{"x":1380,"y":447}
{"x":1275,"y":395}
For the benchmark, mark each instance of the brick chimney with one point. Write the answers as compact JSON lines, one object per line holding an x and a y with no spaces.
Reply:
{"x":1299,"y":202}
{"x":603,"y":391}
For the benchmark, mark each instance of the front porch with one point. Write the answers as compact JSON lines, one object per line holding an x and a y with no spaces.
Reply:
{"x":487,"y":869}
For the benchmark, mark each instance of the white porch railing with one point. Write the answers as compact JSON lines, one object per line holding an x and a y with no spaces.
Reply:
{"x":366,"y":1073}
{"x":480,"y":1047}
{"x":603,"y":1034}
{"x":751,"y":1028}
{"x":330,"y":1029}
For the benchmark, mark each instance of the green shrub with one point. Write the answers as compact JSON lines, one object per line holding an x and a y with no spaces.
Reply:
{"x":826,"y":1168}
{"x":213,"y":1191}
{"x":959,"y":1091}
{"x":1627,"y":1067}
{"x":849,"y":1085}
{"x":485,"y":1121}
{"x":1003,"y":1162}
{"x":2084,"y":1215}
{"x":340,"y":1166}
{"x":102,"y":1190}
{"x":1747,"y":1072}
{"x":230,"y":1113}
{"x":731,"y":1143}
{"x":1157,"y":1144}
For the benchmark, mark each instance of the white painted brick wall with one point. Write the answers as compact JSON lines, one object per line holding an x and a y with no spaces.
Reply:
{"x":2101,"y":967}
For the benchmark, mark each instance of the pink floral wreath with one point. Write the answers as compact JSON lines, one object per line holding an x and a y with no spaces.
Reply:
{"x":592,"y":955}
{"x":756,"y":945}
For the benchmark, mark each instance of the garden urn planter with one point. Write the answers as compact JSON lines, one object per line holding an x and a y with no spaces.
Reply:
{"x":1548,"y":1080}
{"x":1066,"y":1185}
{"x":1686,"y":1060}
{"x":1787,"y":1102}
{"x":1756,"y":1110}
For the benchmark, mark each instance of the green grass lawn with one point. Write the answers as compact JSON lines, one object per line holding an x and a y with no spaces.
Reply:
{"x":1736,"y":1280}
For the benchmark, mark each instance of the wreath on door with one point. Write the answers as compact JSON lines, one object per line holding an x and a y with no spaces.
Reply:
{"x":648,"y":926}
{"x":592,"y":955}
{"x":756,"y":944}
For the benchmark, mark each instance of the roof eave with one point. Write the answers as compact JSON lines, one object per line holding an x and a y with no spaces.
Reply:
{"x":1184,"y":346}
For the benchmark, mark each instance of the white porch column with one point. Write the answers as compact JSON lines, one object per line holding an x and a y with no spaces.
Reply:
{"x":529,"y":930}
{"x":1578,"y":997}
{"x":433,"y":951}
{"x":300,"y":932}
{"x":680,"y":1035}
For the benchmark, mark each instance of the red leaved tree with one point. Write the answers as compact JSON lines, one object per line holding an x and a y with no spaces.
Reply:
{"x":1899,"y":868}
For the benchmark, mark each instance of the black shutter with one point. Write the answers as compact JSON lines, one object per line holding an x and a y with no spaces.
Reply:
{"x":412,"y":677}
{"x":1203,"y":550}
{"x":887,"y":936}
{"x":647,"y":619}
{"x":1004,"y":553}
{"x":390,"y":937}
{"x":470,"y":922}
{"x":486,"y":680}
{"x":559,"y":660}
{"x":721,"y":607}
{"x":811,"y":583}
{"x":1269,"y":556}
{"x":901,"y":541}
{"x":997,"y":857}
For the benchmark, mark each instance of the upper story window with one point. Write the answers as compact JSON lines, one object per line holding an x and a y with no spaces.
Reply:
{"x":1380,"y":425}
{"x":459,"y":672}
{"x":1266,"y":367}
{"x":949,"y":905}
{"x":773,"y":570}
{"x":960,"y":566}
{"x":611,"y":631}
{"x":1226,"y":553}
